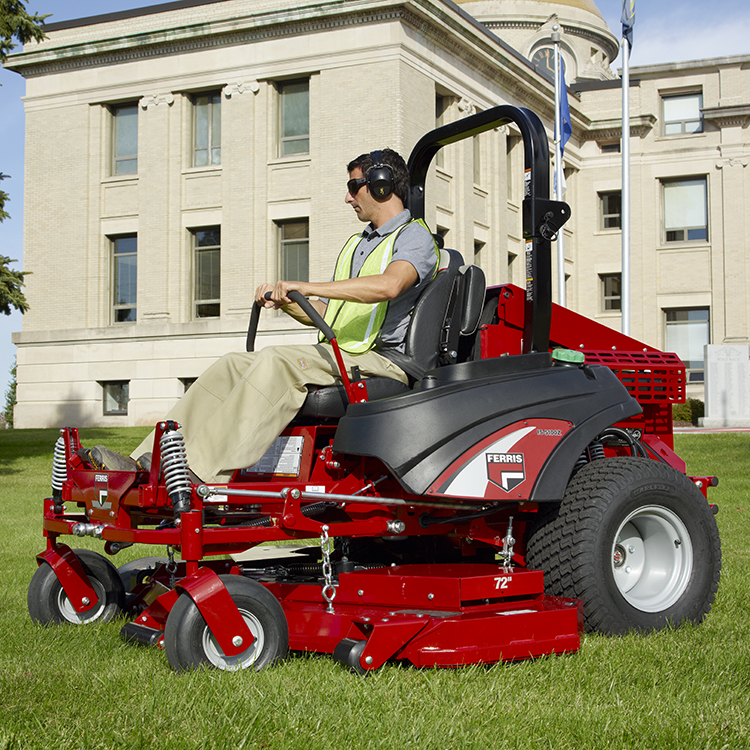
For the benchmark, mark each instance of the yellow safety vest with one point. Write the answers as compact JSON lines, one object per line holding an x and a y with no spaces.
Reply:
{"x":357,"y":324}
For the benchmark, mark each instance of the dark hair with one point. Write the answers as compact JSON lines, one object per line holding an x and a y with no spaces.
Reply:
{"x":397,"y":164}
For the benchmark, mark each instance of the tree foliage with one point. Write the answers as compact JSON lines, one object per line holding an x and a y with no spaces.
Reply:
{"x":15,"y":24}
{"x":11,"y":283}
{"x":10,"y":399}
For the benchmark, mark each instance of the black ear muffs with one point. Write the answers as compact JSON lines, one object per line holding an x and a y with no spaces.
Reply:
{"x":379,"y":177}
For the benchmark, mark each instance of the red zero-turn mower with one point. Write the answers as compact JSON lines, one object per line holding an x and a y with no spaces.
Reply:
{"x":521,"y":489}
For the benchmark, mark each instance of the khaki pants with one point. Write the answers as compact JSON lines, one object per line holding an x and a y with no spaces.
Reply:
{"x":240,"y":405}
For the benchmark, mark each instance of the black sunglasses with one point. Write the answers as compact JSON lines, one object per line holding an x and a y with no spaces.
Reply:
{"x":354,"y":185}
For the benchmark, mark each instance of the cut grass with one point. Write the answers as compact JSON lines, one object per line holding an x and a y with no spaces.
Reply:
{"x":82,"y":687}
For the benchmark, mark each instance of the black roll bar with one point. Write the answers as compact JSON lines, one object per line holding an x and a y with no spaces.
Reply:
{"x":542,"y":217}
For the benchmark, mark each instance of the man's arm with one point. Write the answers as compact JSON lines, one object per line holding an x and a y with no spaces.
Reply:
{"x":399,"y":276}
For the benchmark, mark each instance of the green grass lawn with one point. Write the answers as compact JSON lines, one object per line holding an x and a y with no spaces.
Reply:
{"x":82,"y":687}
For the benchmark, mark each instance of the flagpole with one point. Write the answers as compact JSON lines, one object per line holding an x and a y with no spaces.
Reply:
{"x":558,"y":169}
{"x":625,"y":194}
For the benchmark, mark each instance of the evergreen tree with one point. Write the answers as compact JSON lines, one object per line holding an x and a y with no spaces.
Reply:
{"x":15,"y":24}
{"x":10,"y":398}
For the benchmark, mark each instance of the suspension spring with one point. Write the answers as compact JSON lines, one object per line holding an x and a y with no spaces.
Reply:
{"x":596,"y":450}
{"x":175,"y":467}
{"x":59,"y":466}
{"x":592,"y":452}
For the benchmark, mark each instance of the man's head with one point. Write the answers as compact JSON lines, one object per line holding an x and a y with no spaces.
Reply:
{"x":390,"y":165}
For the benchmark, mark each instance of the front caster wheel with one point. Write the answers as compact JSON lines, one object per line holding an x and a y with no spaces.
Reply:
{"x":49,"y":604}
{"x":189,"y":642}
{"x":635,"y":540}
{"x":348,"y":653}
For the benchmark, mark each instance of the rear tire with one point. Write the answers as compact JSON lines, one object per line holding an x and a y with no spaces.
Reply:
{"x":190,"y":644}
{"x":635,"y":540}
{"x":49,"y":605}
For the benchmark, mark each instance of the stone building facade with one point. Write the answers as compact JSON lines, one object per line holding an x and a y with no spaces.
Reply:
{"x":180,"y":154}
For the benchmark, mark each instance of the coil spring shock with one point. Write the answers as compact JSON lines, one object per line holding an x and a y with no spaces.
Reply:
{"x":592,"y":452}
{"x":175,"y":467}
{"x":596,"y":450}
{"x":59,"y":467}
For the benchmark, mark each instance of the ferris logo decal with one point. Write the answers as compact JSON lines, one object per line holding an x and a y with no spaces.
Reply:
{"x":506,"y":470}
{"x":101,"y":485}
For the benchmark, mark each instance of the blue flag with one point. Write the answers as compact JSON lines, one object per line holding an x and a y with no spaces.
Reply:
{"x":566,"y":126}
{"x":628,"y":20}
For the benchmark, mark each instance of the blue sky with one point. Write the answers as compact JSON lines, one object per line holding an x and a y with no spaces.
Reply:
{"x":665,"y":31}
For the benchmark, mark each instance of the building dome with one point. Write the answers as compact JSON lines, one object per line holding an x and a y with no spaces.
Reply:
{"x":588,"y":5}
{"x":587,"y":43}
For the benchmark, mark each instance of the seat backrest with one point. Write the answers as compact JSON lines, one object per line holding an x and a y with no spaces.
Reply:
{"x":446,"y":310}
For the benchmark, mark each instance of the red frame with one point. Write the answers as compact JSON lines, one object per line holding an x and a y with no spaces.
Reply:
{"x":464,"y":620}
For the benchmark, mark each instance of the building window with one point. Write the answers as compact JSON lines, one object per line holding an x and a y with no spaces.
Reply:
{"x":512,"y":142}
{"x":511,"y":266}
{"x":115,"y":397}
{"x":610,"y":299}
{"x":685,"y":213}
{"x":206,"y":129}
{"x":125,"y":139}
{"x":207,"y":264}
{"x":294,"y":249}
{"x":610,"y":148}
{"x":682,"y":114}
{"x":478,"y":246}
{"x":442,"y":103}
{"x":610,"y":210}
{"x":124,"y":278}
{"x":687,"y":332}
{"x":477,"y":160}
{"x":186,"y":383}
{"x":294,"y":118}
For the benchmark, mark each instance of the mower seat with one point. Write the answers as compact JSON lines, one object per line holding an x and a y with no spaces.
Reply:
{"x":448,"y":308}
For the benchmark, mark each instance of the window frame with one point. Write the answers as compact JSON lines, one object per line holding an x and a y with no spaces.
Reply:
{"x":685,"y":238}
{"x":477,"y":160}
{"x":122,"y":411}
{"x":283,"y":139}
{"x":604,"y":216}
{"x":196,"y":251}
{"x":692,"y":374}
{"x":115,"y":255}
{"x":214,"y":102}
{"x":604,"y":298}
{"x":610,"y":147}
{"x":117,"y":159}
{"x":442,"y":107}
{"x":683,"y":123}
{"x":284,"y":243}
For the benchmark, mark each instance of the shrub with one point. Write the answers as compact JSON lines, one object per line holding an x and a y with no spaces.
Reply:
{"x":690,"y":411}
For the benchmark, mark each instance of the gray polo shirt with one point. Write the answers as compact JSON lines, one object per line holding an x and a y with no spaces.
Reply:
{"x":415,"y":245}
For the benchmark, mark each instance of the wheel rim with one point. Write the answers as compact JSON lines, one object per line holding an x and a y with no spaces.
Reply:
{"x":78,"y":618}
{"x":243,"y":660}
{"x":652,"y":558}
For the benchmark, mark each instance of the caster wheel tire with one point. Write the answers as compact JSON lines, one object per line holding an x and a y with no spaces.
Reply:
{"x":49,"y":604}
{"x":190,"y":644}
{"x":348,"y":653}
{"x":636,"y":541}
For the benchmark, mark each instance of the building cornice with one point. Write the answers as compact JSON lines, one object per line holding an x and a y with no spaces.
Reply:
{"x":692,"y":66}
{"x":606,"y":130}
{"x":44,"y":60}
{"x":442,"y":23}
{"x":723,"y":117}
{"x":610,"y":47}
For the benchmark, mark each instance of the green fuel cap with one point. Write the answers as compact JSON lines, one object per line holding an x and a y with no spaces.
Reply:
{"x":568,"y":357}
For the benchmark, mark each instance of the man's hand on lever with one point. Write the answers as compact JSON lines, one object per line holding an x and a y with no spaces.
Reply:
{"x":278,"y":299}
